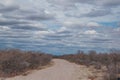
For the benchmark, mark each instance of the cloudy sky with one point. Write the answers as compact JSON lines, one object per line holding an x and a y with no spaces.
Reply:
{"x":60,"y":26}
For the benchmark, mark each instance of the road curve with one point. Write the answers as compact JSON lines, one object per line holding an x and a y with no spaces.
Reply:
{"x":60,"y":70}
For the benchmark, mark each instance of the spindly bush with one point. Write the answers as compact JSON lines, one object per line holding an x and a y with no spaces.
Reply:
{"x":14,"y":62}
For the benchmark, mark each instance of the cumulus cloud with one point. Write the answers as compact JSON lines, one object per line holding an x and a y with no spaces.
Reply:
{"x":93,"y":24}
{"x":51,"y":25}
{"x":90,"y":32}
{"x":4,"y":28}
{"x":79,"y":25}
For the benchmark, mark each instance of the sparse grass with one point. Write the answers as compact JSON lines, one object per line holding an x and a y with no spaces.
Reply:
{"x":14,"y":62}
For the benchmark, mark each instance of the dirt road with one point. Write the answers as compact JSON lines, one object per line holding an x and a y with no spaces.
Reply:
{"x":60,"y":70}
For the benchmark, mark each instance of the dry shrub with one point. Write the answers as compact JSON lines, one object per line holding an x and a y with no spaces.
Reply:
{"x":14,"y":62}
{"x":111,"y":73}
{"x":110,"y":60}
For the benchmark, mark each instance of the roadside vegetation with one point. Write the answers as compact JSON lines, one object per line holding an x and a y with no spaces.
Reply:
{"x":111,"y":62}
{"x":14,"y":62}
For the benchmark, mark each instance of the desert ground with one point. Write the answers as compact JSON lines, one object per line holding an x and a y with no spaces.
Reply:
{"x":61,"y":70}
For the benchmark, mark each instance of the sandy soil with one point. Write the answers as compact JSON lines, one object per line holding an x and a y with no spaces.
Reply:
{"x":60,"y":70}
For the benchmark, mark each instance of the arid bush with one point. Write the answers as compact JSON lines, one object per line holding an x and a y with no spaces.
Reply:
{"x":14,"y":62}
{"x":111,"y":72}
{"x":110,"y":60}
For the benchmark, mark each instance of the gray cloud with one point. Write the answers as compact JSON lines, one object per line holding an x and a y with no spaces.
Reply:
{"x":101,"y":40}
{"x":119,"y":24}
{"x":57,"y":36}
{"x":34,"y":26}
{"x":105,"y":3}
{"x":40,"y":17}
{"x":64,"y":32}
{"x":4,"y":9}
{"x":109,"y":3}
{"x":98,"y":13}
{"x":11,"y":22}
{"x":29,"y":15}
{"x":31,"y":27}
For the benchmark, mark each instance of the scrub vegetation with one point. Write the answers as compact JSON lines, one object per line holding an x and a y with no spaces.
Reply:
{"x":110,"y":62}
{"x":14,"y":62}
